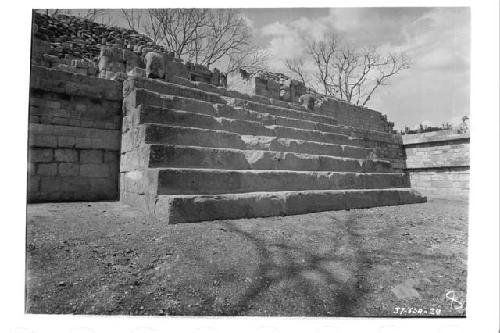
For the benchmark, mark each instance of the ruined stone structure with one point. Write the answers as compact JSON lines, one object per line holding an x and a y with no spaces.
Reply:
{"x":193,"y":150}
{"x":273,"y":85}
{"x":74,"y":45}
{"x":74,"y":136}
{"x":438,"y":163}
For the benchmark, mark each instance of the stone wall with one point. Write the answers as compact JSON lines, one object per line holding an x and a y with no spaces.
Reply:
{"x":438,"y":163}
{"x":74,"y":137}
{"x":353,"y":115}
{"x":267,"y":84}
{"x":280,"y":87}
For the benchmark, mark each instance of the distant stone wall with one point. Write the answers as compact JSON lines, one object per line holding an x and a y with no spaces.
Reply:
{"x":438,"y":163}
{"x":353,"y":115}
{"x":253,"y":85}
{"x":266,"y":84}
{"x":74,"y":137}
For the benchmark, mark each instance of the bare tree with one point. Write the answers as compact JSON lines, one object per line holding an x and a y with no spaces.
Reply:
{"x":322,"y":54}
{"x":133,"y":18}
{"x":55,"y":11}
{"x":205,"y":36}
{"x":345,"y":72}
{"x":252,"y":59}
{"x":178,"y":29}
{"x":151,"y":27}
{"x":89,"y":14}
{"x":51,"y":12}
{"x":93,"y":14}
{"x":226,"y":33}
{"x":296,"y":66}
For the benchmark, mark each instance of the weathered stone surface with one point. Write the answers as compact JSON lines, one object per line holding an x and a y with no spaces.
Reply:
{"x":91,"y":156}
{"x":155,"y":65}
{"x":90,"y":36}
{"x":240,"y":121}
{"x":438,"y":163}
{"x":266,"y":84}
{"x":190,"y":136}
{"x":355,"y":116}
{"x":73,"y":120}
{"x":182,"y":209}
{"x":181,"y":143}
{"x":234,"y":159}
{"x":307,"y":101}
{"x":210,"y":181}
{"x":51,"y":80}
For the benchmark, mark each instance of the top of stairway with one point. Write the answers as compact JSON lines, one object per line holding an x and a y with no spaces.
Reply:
{"x":329,"y":106}
{"x":177,"y":86}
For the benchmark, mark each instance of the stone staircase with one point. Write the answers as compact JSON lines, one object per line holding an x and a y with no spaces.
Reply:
{"x":190,"y":154}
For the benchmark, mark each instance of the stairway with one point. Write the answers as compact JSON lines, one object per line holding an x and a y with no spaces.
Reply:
{"x":192,"y":155}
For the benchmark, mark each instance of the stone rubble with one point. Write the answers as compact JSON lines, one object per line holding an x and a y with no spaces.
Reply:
{"x":74,"y":37}
{"x":76,"y":45}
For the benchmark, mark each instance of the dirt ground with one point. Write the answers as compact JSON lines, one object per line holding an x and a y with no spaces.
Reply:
{"x":107,"y":258}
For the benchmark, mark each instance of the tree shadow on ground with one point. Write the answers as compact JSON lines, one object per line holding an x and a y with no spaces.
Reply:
{"x":346,"y":296}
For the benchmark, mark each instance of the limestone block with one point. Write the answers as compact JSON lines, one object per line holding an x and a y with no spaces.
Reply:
{"x":223,"y":80}
{"x":43,"y":140}
{"x":307,"y":101}
{"x":104,"y":63}
{"x":68,"y":169}
{"x":50,"y":184}
{"x":94,"y":170}
{"x":91,"y":156}
{"x":137,"y":72}
{"x":40,"y":155}
{"x":47,"y":169}
{"x":83,"y":143}
{"x":65,"y":155}
{"x":176,"y":68}
{"x":155,"y":65}
{"x":33,"y":184}
{"x":215,"y":78}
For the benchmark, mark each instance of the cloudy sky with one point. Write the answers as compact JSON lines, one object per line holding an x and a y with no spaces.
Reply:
{"x":436,"y":87}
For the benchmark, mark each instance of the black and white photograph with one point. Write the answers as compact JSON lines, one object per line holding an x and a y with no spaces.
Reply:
{"x":232,"y":162}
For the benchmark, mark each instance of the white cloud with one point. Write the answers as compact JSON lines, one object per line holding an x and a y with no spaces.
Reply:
{"x":275,"y":29}
{"x":345,"y":19}
{"x":435,"y":88}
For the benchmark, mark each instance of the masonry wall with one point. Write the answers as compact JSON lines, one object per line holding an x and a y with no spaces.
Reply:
{"x":356,"y":116}
{"x":74,"y":137}
{"x":438,"y":163}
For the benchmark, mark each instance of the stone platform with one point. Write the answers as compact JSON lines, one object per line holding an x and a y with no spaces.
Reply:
{"x":194,"y":152}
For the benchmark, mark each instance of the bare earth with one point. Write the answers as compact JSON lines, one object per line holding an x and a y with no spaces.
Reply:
{"x":107,"y":258}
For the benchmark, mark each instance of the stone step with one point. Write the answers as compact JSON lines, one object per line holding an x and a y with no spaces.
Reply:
{"x":186,"y":88}
{"x":156,"y":114}
{"x":195,"y":208}
{"x":166,"y":156}
{"x":148,"y":114}
{"x":279,"y":110}
{"x":168,"y":88}
{"x":385,"y":136}
{"x":144,"y":97}
{"x":232,"y":93}
{"x":214,"y":181}
{"x":191,"y":136}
